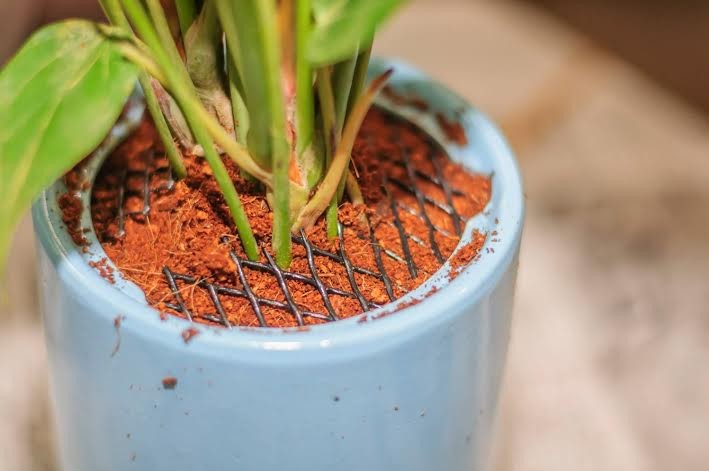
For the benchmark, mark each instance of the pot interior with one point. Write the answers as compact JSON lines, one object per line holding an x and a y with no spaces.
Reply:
{"x":420,"y":199}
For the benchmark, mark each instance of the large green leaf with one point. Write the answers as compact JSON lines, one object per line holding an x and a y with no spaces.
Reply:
{"x":344,"y":26}
{"x":59,"y":97}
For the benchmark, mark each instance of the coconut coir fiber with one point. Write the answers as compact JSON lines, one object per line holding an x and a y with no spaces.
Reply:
{"x":185,"y":227}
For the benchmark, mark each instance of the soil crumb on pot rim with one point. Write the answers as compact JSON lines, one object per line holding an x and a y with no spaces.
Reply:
{"x":187,"y":230}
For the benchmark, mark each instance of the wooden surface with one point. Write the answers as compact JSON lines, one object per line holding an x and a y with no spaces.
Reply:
{"x":608,"y":361}
{"x":665,"y":39}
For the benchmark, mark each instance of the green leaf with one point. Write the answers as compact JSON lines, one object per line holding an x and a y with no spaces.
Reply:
{"x":343,"y":26}
{"x":59,"y":97}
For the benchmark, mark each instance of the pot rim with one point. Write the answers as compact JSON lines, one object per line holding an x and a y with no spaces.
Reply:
{"x":504,"y":214}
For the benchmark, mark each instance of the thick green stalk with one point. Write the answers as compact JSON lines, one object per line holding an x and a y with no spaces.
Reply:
{"x":225,"y":184}
{"x":114,"y":13}
{"x":242,"y":24}
{"x":238,"y":106}
{"x":242,"y":119}
{"x":161,"y":27}
{"x":142,"y":60}
{"x":280,"y":156}
{"x":327,"y":189}
{"x":238,"y":153}
{"x":194,"y":112}
{"x":359,"y":78}
{"x":255,"y":23}
{"x":304,"y":77}
{"x":227,"y":18}
{"x":186,"y":13}
{"x":341,"y":86}
{"x":331,"y":137}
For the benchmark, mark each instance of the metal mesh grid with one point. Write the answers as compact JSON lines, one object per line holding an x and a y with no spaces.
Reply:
{"x":389,"y":183}
{"x":145,"y":178}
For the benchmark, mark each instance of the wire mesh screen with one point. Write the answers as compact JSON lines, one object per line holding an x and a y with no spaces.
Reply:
{"x":139,"y":187}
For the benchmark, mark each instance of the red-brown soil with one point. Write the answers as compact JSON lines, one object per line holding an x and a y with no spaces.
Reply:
{"x":185,"y":227}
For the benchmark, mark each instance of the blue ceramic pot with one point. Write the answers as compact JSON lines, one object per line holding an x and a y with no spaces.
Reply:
{"x":415,"y":390}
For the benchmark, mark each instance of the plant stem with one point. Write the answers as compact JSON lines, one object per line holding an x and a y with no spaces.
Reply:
{"x":331,"y":138}
{"x":342,"y":84}
{"x":238,"y":106}
{"x":162,"y":28}
{"x":242,"y":25}
{"x":186,"y":13}
{"x":304,"y":77}
{"x":225,"y":185}
{"x":194,"y":112}
{"x":328,"y":187}
{"x":359,"y":78}
{"x":238,"y":153}
{"x":142,"y":60}
{"x":114,"y":13}
{"x":256,"y":25}
{"x":353,"y":189}
{"x":173,"y":154}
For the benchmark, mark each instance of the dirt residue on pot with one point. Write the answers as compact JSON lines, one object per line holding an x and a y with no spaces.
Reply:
{"x":169,"y":382}
{"x":453,"y":130}
{"x":399,"y":307}
{"x":117,"y":321}
{"x":104,"y":268}
{"x":71,"y":207}
{"x":186,"y":228}
{"x":405,"y":100}
{"x":467,"y":253}
{"x":189,"y":333}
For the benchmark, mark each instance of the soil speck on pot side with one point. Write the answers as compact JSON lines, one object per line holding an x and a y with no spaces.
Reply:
{"x":169,"y":382}
{"x":412,"y":302}
{"x":301,"y":328}
{"x":467,"y":253}
{"x":117,"y":321}
{"x":190,"y":230}
{"x":405,"y":100}
{"x":104,"y":269}
{"x":453,"y":130}
{"x":71,"y":207}
{"x":189,"y":333}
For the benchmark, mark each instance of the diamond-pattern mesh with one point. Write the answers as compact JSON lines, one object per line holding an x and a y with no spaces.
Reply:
{"x":142,"y":185}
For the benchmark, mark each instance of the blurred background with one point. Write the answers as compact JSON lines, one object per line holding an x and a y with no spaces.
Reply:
{"x":605,"y":103}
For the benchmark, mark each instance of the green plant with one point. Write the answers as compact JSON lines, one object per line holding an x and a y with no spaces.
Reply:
{"x":277,"y":85}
